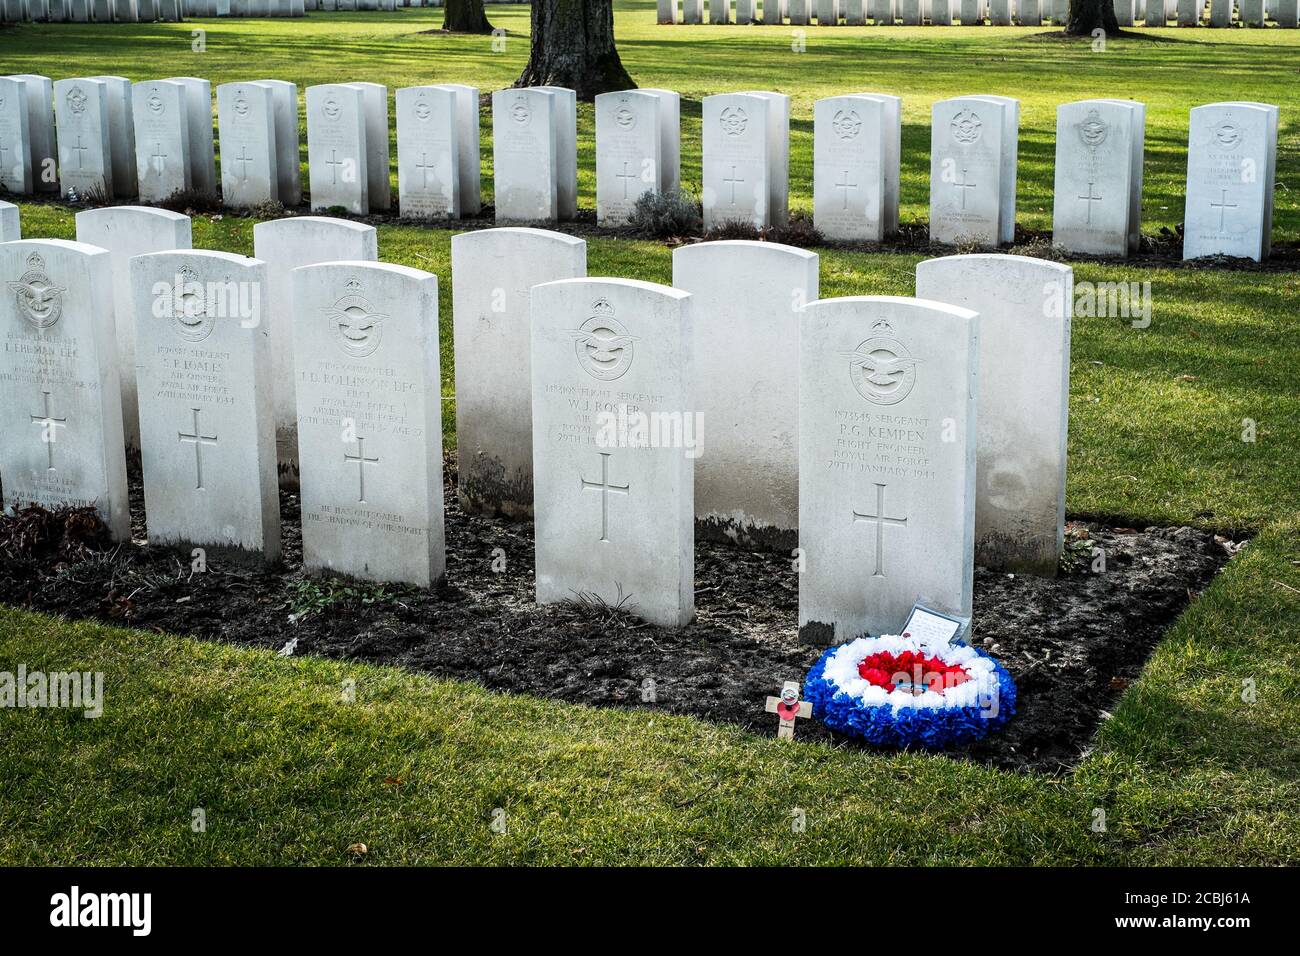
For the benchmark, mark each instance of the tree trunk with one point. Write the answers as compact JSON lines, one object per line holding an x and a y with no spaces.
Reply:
{"x":465,"y":16}
{"x":1088,"y":15}
{"x":573,"y":46}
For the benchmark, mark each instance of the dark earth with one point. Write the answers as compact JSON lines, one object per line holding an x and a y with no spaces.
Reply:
{"x":1072,"y":643}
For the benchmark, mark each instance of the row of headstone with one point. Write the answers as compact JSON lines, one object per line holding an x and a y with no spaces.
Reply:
{"x":368,"y":401}
{"x":1152,"y":13}
{"x":91,"y":11}
{"x":155,"y":139}
{"x":143,"y":11}
{"x":790,"y":451}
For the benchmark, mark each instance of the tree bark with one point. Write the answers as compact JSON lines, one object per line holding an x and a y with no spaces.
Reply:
{"x":573,"y":46}
{"x":465,"y":16}
{"x":1088,"y":15}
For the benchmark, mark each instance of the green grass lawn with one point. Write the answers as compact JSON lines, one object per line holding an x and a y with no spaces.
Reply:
{"x":1170,"y":70}
{"x":1186,"y":770}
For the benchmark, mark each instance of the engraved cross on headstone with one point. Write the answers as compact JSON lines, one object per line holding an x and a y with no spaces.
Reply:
{"x":361,"y":461}
{"x":1223,"y":206}
{"x":733,"y":180}
{"x":158,"y":157}
{"x":964,"y":185}
{"x":334,"y":163}
{"x":846,"y":186}
{"x":49,"y":427}
{"x":625,"y":176}
{"x":880,"y":520}
{"x":244,"y":159}
{"x":1090,"y":199}
{"x":424,"y":166}
{"x":80,"y":151}
{"x":198,"y":440}
{"x":605,"y":489}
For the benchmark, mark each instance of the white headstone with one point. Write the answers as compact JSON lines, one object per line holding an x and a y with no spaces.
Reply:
{"x":284,"y":97}
{"x":198,"y":111}
{"x":162,"y":141}
{"x":370,"y":421}
{"x":284,"y":245}
{"x":337,"y":159}
{"x":85,"y":154}
{"x":747,"y":297}
{"x":887,"y":390}
{"x":492,"y":272}
{"x":666,"y":11}
{"x":670,"y":138}
{"x":737,"y":166}
{"x":60,"y":402}
{"x":428,"y":153}
{"x":1010,"y":160}
{"x":126,"y":232}
{"x":15,"y":138}
{"x":1025,"y":307}
{"x":207,"y":438}
{"x":378,"y":157}
{"x":778,"y":153}
{"x":628,"y":152}
{"x":249,"y":167}
{"x":11,"y":228}
{"x":1094,"y":194}
{"x":40,"y":127}
{"x":692,"y":12}
{"x":565,"y":117}
{"x":614,"y":517}
{"x":467,"y":141}
{"x":121,"y":137}
{"x":1231,"y":158}
{"x":524,"y":155}
{"x":849,"y":167}
{"x":966,"y":171}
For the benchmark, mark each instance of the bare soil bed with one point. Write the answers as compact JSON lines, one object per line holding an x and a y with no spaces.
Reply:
{"x":1072,"y":643}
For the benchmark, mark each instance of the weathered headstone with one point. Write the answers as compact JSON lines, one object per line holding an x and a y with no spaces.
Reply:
{"x":162,"y":141}
{"x":39,"y":91}
{"x":207,"y":439}
{"x":966,"y":171}
{"x":692,"y":12}
{"x":467,"y":141}
{"x":1231,"y":156}
{"x":378,"y":157}
{"x":778,"y":153}
{"x":1190,"y":12}
{"x":249,"y":167}
{"x":614,"y":511}
{"x":1025,"y":307}
{"x":1221,"y":13}
{"x":745,"y":351}
{"x":85,"y":153}
{"x":284,"y":245}
{"x":666,"y":11}
{"x":887,"y":390}
{"x":737,"y":167}
{"x":524,"y":155}
{"x":492,"y":272}
{"x":198,"y":112}
{"x":284,"y":97}
{"x":628,"y":152}
{"x":15,"y":138}
{"x":60,"y":402}
{"x":11,"y":228}
{"x":336,"y":148}
{"x":121,"y":136}
{"x":370,"y":421}
{"x":565,"y":118}
{"x":126,"y":232}
{"x":849,"y":167}
{"x":1094,"y":194}
{"x":428,"y":153}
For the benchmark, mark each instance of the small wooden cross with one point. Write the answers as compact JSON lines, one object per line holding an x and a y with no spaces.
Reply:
{"x":787,"y":707}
